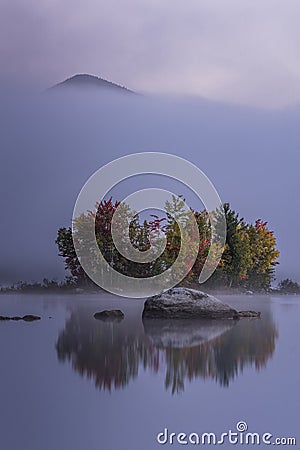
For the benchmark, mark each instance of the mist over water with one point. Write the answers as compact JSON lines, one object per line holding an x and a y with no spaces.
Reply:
{"x":51,"y":144}
{"x":77,"y":382}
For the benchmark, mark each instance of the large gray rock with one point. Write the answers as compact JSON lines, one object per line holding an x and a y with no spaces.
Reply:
{"x":183,"y":303}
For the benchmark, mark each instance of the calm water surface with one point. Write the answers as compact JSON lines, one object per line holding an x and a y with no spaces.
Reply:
{"x":70,"y":382}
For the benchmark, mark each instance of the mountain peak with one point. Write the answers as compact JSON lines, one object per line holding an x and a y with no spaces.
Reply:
{"x":85,"y":81}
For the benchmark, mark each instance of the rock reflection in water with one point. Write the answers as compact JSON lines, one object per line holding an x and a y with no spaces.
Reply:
{"x":112,"y":353}
{"x":223,"y":350}
{"x":183,"y":333}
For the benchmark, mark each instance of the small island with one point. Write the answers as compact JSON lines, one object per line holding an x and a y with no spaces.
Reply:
{"x":248,"y":262}
{"x":247,"y":265}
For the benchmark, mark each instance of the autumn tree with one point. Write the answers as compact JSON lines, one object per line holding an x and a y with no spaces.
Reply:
{"x":248,"y":260}
{"x":263,"y":257}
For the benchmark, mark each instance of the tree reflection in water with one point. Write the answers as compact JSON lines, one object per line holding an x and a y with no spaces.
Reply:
{"x":112,"y":353}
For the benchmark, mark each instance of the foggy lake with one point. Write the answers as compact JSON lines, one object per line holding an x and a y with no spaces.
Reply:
{"x":144,"y":146}
{"x":70,"y":381}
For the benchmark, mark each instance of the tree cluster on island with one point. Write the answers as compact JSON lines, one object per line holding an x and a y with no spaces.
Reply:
{"x":248,"y":261}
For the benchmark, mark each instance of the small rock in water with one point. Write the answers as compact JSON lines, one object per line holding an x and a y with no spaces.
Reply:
{"x":110,"y":315}
{"x":253,"y":314}
{"x":30,"y":318}
{"x":26,"y":318}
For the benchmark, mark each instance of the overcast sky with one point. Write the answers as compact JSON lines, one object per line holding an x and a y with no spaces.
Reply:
{"x":239,"y":51}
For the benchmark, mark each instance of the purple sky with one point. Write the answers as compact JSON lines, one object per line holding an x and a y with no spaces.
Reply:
{"x":238,"y":51}
{"x":235,"y":52}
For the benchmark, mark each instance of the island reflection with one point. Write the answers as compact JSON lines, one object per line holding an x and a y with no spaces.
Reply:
{"x":112,"y":353}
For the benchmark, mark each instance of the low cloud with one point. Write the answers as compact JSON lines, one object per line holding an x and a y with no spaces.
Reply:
{"x":242,"y":52}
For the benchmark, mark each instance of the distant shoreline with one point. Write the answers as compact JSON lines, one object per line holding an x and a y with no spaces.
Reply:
{"x":53,"y":287}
